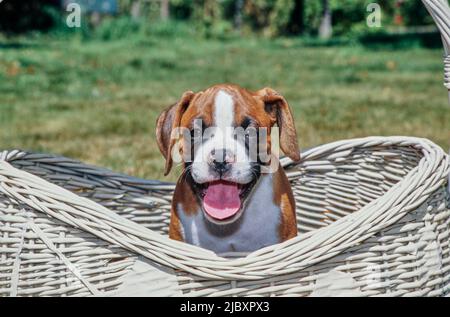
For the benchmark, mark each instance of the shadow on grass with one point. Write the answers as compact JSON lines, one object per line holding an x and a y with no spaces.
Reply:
{"x":18,"y":45}
{"x":374,"y":41}
{"x":401,"y":41}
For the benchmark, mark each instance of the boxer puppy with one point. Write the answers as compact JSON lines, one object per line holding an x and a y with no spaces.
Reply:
{"x":225,"y":200}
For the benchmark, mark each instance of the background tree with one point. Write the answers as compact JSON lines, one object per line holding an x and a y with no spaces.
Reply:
{"x":326,"y":27}
{"x":165,"y":11}
{"x":22,"y":16}
{"x":323,"y":18}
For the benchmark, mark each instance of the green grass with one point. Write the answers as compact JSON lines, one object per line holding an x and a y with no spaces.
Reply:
{"x":98,"y":101}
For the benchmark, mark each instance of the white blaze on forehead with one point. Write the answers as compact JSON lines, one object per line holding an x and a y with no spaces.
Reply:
{"x":222,"y":137}
{"x":223,"y":110}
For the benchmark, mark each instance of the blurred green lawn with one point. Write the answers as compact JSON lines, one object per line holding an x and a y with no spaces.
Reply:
{"x":98,"y":101}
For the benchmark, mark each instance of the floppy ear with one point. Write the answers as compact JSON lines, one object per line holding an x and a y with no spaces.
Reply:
{"x":167,"y":121}
{"x":275,"y":104}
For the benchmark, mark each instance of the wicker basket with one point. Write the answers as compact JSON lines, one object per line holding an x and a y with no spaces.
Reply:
{"x":374,"y":218}
{"x":373,"y":215}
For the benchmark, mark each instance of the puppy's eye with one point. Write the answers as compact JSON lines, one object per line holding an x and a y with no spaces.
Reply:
{"x":247,"y":137}
{"x":246,"y":123}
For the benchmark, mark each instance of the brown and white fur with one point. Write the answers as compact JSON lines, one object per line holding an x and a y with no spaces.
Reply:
{"x":267,"y":214}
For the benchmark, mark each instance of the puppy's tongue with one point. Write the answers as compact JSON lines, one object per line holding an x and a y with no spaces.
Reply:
{"x":222,"y":200}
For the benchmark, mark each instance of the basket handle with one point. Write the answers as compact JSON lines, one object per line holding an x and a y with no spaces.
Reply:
{"x":440,"y":11}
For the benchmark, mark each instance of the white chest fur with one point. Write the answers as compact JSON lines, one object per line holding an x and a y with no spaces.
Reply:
{"x":256,"y":228}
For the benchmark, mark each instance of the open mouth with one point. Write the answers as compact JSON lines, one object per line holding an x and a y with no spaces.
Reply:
{"x":222,"y":201}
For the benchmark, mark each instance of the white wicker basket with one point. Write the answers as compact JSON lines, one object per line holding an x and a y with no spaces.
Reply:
{"x":374,"y":218}
{"x":379,"y":206}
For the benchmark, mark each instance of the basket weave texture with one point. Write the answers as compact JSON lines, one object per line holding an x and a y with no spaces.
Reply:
{"x":373,"y":217}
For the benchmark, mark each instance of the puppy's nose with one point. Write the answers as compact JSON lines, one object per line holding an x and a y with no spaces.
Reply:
{"x":221,"y":160}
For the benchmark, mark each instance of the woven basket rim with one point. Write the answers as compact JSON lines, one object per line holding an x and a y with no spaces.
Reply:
{"x":287,"y":257}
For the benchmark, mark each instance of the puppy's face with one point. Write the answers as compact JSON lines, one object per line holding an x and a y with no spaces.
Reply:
{"x":222,"y":133}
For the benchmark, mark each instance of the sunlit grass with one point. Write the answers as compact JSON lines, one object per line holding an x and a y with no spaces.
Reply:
{"x":98,"y":101}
